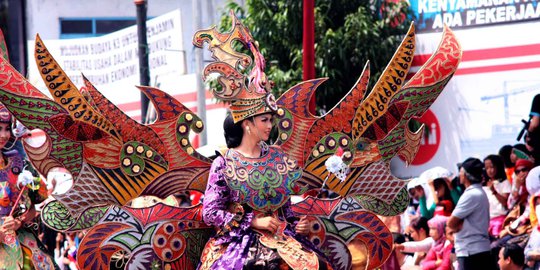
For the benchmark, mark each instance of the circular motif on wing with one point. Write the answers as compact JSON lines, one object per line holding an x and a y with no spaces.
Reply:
{"x":271,"y":102}
{"x":168,"y":243}
{"x":316,"y":231}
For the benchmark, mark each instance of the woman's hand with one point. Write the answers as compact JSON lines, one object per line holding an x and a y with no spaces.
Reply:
{"x":270,"y":224}
{"x":302,"y":227}
{"x":11,"y":223}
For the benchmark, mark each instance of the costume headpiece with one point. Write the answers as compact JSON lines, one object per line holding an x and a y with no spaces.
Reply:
{"x":248,"y":95}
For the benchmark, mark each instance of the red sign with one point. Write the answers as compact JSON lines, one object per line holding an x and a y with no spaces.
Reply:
{"x":431,"y":139}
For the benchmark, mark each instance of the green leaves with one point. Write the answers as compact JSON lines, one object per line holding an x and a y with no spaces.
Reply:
{"x":348,"y":33}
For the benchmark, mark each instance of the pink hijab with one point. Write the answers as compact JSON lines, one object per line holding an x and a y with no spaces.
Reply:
{"x":439,"y":222}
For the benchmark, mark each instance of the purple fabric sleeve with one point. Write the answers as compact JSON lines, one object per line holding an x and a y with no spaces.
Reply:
{"x":289,"y":215}
{"x":217,"y":198}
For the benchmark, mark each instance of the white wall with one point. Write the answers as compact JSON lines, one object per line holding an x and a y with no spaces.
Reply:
{"x":43,"y":15}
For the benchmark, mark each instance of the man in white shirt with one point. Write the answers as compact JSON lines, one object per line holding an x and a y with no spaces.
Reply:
{"x":470,"y":220}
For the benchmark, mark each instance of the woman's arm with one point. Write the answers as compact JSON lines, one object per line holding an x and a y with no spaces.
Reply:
{"x":500,"y":192}
{"x":288,"y":214}
{"x":418,"y":246}
{"x":455,"y":194}
{"x":430,"y":261}
{"x":424,"y":210}
{"x":217,"y":199}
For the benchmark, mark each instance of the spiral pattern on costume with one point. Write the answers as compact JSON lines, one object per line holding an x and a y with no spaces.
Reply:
{"x":281,"y":168}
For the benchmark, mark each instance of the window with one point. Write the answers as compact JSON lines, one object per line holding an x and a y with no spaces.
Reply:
{"x":92,"y":27}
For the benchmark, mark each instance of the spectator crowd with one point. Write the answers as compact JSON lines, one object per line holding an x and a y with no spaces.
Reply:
{"x":485,"y":217}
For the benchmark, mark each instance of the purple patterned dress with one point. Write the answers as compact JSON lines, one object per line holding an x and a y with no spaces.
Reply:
{"x":252,"y":183}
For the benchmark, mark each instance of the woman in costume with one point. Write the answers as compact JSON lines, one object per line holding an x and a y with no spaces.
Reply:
{"x":19,"y":248}
{"x":247,"y":200}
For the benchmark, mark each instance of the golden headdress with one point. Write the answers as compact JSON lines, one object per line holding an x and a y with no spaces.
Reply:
{"x":248,"y":95}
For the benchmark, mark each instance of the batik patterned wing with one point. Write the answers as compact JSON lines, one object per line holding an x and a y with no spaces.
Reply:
{"x":3,"y":48}
{"x":340,"y":118}
{"x":169,"y":109}
{"x":66,"y":94}
{"x":129,"y":129}
{"x":380,"y":207}
{"x":55,"y":215}
{"x":421,"y":91}
{"x":372,"y":118}
{"x":336,"y":223}
{"x":33,"y":109}
{"x":356,"y":125}
{"x":156,"y":237}
{"x":293,"y":119}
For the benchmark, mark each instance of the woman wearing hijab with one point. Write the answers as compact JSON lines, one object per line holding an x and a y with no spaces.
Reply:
{"x":438,"y":256}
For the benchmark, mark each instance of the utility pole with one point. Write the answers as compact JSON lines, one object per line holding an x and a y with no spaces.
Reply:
{"x":308,"y":45}
{"x":144,"y":69}
{"x":201,"y":95}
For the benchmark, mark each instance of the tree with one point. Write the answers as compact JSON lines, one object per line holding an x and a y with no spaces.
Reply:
{"x":348,"y":33}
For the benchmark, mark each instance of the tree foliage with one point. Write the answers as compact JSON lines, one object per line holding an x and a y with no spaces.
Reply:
{"x":348,"y":33}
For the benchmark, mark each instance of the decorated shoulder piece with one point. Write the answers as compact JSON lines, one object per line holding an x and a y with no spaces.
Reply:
{"x":266,"y":183}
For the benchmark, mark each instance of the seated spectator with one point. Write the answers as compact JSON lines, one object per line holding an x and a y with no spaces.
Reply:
{"x":532,"y":250}
{"x":497,"y":189}
{"x":420,"y":191}
{"x":504,"y":153}
{"x":444,"y":198}
{"x":438,"y":256}
{"x":520,"y":191}
{"x":511,"y":257}
{"x":516,"y":225}
{"x":453,"y":258}
{"x":403,"y":258}
{"x":418,"y":230}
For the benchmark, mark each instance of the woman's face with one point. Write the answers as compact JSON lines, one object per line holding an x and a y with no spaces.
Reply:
{"x":413,"y":233}
{"x":441,"y":192}
{"x":434,"y":233}
{"x":261,"y":126}
{"x":513,"y":157}
{"x":5,"y":133}
{"x":491,"y":171}
{"x":449,"y":234}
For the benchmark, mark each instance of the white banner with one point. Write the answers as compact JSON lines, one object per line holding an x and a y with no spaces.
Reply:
{"x":481,"y":108}
{"x":111,"y":61}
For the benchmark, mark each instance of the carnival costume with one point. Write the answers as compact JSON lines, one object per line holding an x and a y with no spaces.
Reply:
{"x":19,"y":249}
{"x":114,"y":159}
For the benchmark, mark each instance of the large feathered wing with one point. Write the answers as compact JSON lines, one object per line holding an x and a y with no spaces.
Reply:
{"x":371,"y":130}
{"x":112,"y":158}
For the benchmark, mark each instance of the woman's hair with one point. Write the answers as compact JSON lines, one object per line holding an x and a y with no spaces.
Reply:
{"x":505,"y":152}
{"x":233,"y":131}
{"x":441,"y":182}
{"x":420,"y":223}
{"x":498,"y":163}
